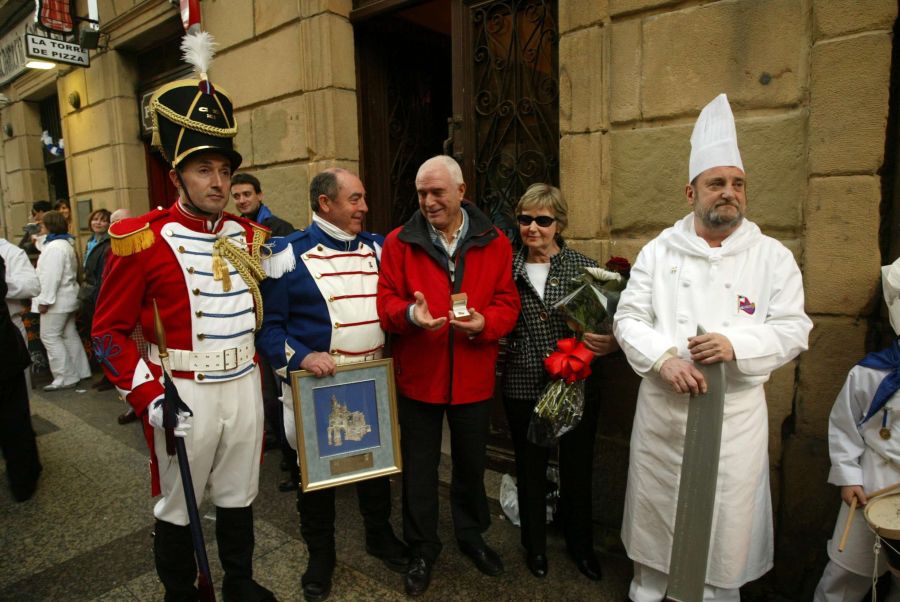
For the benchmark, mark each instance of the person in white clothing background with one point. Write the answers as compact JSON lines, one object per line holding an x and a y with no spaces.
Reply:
{"x":21,"y":281}
{"x":22,"y":284}
{"x":57,"y":270}
{"x":863,"y":435}
{"x":716,"y":269}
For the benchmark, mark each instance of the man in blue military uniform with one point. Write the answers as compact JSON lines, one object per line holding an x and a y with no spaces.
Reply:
{"x":321,"y":314}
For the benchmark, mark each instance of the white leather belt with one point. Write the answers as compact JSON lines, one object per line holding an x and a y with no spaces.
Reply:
{"x":205,"y":361}
{"x":341,"y":359}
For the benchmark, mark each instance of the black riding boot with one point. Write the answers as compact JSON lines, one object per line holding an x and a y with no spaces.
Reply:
{"x":234,"y":534}
{"x":175,"y":561}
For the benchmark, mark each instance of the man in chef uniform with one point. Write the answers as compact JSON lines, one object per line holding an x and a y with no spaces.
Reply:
{"x":715,"y":269}
{"x":863,"y":436}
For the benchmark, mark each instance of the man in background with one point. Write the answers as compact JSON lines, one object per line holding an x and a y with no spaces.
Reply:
{"x":248,"y":199}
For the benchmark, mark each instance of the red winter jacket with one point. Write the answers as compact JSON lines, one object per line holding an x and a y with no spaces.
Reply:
{"x":444,"y":365}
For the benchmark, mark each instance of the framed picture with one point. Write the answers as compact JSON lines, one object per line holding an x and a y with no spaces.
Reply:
{"x":347,"y":429}
{"x":84,"y":215}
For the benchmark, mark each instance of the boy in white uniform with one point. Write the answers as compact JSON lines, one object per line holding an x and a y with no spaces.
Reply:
{"x":864,"y":443}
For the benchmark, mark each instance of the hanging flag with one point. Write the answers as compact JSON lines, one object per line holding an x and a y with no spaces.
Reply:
{"x":55,"y":15}
{"x":190,"y":14}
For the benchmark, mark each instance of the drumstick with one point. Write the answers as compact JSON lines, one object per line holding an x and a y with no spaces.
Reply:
{"x":847,"y":526}
{"x":883,"y":490}
{"x":850,"y":516}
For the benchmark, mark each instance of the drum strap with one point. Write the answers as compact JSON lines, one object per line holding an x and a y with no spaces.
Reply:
{"x":697,"y":490}
{"x":876,"y":548}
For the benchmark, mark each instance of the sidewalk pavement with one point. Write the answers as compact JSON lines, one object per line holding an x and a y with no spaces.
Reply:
{"x":86,"y":534}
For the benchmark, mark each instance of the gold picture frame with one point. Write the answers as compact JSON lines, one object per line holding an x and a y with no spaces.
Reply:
{"x":347,"y":426}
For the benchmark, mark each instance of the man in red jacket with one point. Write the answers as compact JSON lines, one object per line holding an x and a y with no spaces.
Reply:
{"x":445,"y":364}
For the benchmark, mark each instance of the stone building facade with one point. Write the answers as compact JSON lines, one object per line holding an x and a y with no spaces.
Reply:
{"x":809,"y":82}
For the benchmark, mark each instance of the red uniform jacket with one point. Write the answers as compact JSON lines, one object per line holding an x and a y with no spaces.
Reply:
{"x":445,"y":365}
{"x":163,"y":256}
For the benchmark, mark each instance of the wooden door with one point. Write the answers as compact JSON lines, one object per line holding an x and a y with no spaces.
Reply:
{"x":404,"y":93}
{"x":506,"y":96}
{"x":476,"y":79}
{"x":506,"y":104}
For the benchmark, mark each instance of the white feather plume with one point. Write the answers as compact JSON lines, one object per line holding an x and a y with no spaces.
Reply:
{"x":198,"y":49}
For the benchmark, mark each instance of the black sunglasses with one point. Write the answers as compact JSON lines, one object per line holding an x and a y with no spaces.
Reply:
{"x":544,"y":221}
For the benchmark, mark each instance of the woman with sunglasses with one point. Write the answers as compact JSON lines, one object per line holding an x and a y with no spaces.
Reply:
{"x":543,"y":269}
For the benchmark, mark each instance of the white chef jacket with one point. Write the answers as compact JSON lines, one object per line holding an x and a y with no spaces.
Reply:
{"x":749,"y":290}
{"x":859,"y":456}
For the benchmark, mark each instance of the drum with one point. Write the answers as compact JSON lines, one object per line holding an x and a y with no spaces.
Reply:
{"x":883,"y":516}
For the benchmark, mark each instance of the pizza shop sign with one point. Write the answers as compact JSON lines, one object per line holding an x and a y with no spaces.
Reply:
{"x":57,"y":51}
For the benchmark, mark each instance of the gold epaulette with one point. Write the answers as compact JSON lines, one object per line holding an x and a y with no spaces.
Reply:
{"x":262,"y":233}
{"x":131,"y":242}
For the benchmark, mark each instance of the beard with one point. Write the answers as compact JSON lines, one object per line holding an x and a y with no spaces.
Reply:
{"x":714,"y":219}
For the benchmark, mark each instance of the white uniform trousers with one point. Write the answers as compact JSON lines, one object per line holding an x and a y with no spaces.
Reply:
{"x":848,"y":574}
{"x":649,"y":585}
{"x":224,"y":446}
{"x":840,"y":585}
{"x":65,"y":353}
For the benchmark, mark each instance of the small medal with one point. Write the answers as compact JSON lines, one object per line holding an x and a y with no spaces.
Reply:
{"x":884,"y":432}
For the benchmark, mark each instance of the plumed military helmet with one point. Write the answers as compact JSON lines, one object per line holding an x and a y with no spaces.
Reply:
{"x":190,"y":115}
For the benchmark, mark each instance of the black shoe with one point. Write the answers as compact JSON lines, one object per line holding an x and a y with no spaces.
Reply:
{"x":316,"y":591}
{"x":391,"y":551}
{"x":104,"y":385}
{"x":537,"y":564}
{"x":418,"y":576}
{"x":126,"y":417}
{"x":246,"y":591}
{"x":287,"y":485}
{"x":486,"y":560}
{"x":316,"y":581}
{"x":589,"y":566}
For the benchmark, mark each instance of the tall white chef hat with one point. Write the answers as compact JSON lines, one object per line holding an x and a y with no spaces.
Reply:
{"x":890,"y":282}
{"x":714,"y":141}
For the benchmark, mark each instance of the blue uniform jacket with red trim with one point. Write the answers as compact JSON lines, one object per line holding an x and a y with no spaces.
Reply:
{"x":325,"y":304}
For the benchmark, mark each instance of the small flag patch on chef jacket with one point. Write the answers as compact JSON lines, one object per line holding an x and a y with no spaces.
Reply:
{"x":746,"y":305}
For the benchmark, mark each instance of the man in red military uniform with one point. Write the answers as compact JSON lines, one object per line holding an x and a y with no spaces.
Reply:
{"x":201,"y":266}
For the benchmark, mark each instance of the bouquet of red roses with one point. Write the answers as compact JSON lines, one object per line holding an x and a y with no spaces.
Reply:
{"x":588,"y":308}
{"x":559,"y":409}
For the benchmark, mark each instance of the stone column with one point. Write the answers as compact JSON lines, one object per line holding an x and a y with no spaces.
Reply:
{"x":849,"y":77}
{"x":105,"y":159}
{"x":290,"y":70}
{"x":23,"y":176}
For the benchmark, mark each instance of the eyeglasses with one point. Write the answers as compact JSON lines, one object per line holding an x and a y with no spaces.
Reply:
{"x":544,"y":221}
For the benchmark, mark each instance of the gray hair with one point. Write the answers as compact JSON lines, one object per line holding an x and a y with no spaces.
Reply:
{"x":545,"y":196}
{"x":449,"y":164}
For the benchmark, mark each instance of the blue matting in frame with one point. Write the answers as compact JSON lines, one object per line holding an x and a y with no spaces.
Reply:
{"x":346,"y":418}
